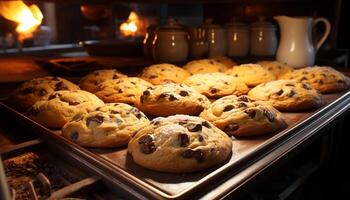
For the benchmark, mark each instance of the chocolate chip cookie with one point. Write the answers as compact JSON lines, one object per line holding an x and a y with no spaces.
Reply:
{"x":164,"y":73}
{"x":323,"y":79}
{"x":111,"y":125}
{"x":287,"y":95}
{"x":205,"y":66}
{"x":123,"y":90}
{"x":178,"y":144}
{"x":242,"y":116}
{"x":275,"y":67}
{"x":92,"y":80}
{"x":172,"y":98}
{"x":216,"y":85}
{"x":38,"y":89}
{"x":251,"y":74}
{"x":62,"y":106}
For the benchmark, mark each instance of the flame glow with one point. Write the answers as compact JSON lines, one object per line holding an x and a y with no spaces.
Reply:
{"x":28,"y":18}
{"x":130,"y":27}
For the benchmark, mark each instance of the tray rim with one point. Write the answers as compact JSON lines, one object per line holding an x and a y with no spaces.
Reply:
{"x":156,"y":192}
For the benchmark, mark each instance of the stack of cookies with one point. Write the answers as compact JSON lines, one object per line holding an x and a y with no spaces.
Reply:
{"x":195,"y":108}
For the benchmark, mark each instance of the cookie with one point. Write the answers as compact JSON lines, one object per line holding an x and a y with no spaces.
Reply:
{"x":62,"y":106}
{"x":164,"y":73}
{"x":205,"y":66}
{"x":323,"y":79}
{"x":123,"y":90}
{"x":178,"y":144}
{"x":111,"y":125}
{"x":242,"y":116}
{"x":251,"y":74}
{"x":93,"y":79}
{"x":172,"y":98}
{"x":38,"y":89}
{"x":275,"y":67}
{"x":216,"y":85}
{"x":287,"y":95}
{"x":228,"y":62}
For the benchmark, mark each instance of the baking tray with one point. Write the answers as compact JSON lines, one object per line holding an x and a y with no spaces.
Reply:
{"x":117,"y":167}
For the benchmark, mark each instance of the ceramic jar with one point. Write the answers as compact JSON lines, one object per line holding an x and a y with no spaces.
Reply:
{"x":147,"y":41}
{"x":170,"y":43}
{"x":237,"y":38}
{"x":199,"y":46}
{"x":263,"y":39}
{"x":216,"y":37}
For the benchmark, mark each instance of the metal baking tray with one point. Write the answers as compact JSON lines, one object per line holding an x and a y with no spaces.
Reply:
{"x":136,"y":182}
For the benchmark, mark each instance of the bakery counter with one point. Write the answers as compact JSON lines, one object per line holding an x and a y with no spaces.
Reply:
{"x":252,"y":157}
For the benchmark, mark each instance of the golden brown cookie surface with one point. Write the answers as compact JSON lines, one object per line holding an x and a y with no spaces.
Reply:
{"x":92,"y":80}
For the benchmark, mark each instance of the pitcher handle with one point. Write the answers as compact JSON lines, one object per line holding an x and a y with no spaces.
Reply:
{"x":326,"y":33}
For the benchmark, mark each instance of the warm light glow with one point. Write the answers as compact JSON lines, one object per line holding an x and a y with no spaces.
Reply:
{"x":27,"y":17}
{"x":130,"y":27}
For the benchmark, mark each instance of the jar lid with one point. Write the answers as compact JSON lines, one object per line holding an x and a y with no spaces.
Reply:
{"x":236,"y":24}
{"x":208,"y":23}
{"x":262,"y":24}
{"x":171,"y":25}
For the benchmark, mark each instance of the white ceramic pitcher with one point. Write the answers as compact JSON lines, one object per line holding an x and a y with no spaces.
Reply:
{"x":295,"y":46}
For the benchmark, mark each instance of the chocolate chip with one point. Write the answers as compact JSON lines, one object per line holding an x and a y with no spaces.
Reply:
{"x":303,"y":78}
{"x":269,"y":115}
{"x":33,"y":111}
{"x":42,"y":92}
{"x":60,"y":86}
{"x":120,"y":91}
{"x":130,"y":95}
{"x":251,"y":113}
{"x":163,"y":95}
{"x":194,"y":127}
{"x":115,"y":112}
{"x":183,"y":139}
{"x":279,"y":92}
{"x":231,"y":128}
{"x":270,"y":68}
{"x":306,"y":86}
{"x":323,"y":74}
{"x":73,"y":103}
{"x":146,"y":93}
{"x":147,"y":144}
{"x":228,"y":108}
{"x":152,"y":76}
{"x":291,"y":93}
{"x":235,"y":75}
{"x":27,"y":90}
{"x":243,"y":98}
{"x":172,"y":98}
{"x":97,"y":119}
{"x":211,"y":62}
{"x":74,"y":136}
{"x":136,"y":112}
{"x":320,"y":82}
{"x":198,"y":154}
{"x":115,"y":76}
{"x":213,"y":90}
{"x":184,"y":93}
{"x":289,"y":84}
{"x":200,"y":99}
{"x":242,"y":105}
{"x":206,"y":124}
{"x":341,"y":81}
{"x":200,"y":138}
{"x":305,"y":72}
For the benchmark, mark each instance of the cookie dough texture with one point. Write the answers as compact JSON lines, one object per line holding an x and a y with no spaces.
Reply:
{"x":275,"y":67}
{"x":111,"y":125}
{"x":123,"y":90}
{"x":216,"y":85}
{"x":170,"y":99}
{"x":178,"y":144}
{"x":164,"y":73}
{"x":287,"y":95}
{"x":62,"y":106}
{"x":323,"y":79}
{"x":241,"y":116}
{"x":91,"y":81}
{"x":251,"y":74}
{"x":38,"y":89}
{"x":225,"y":60}
{"x":205,"y":66}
